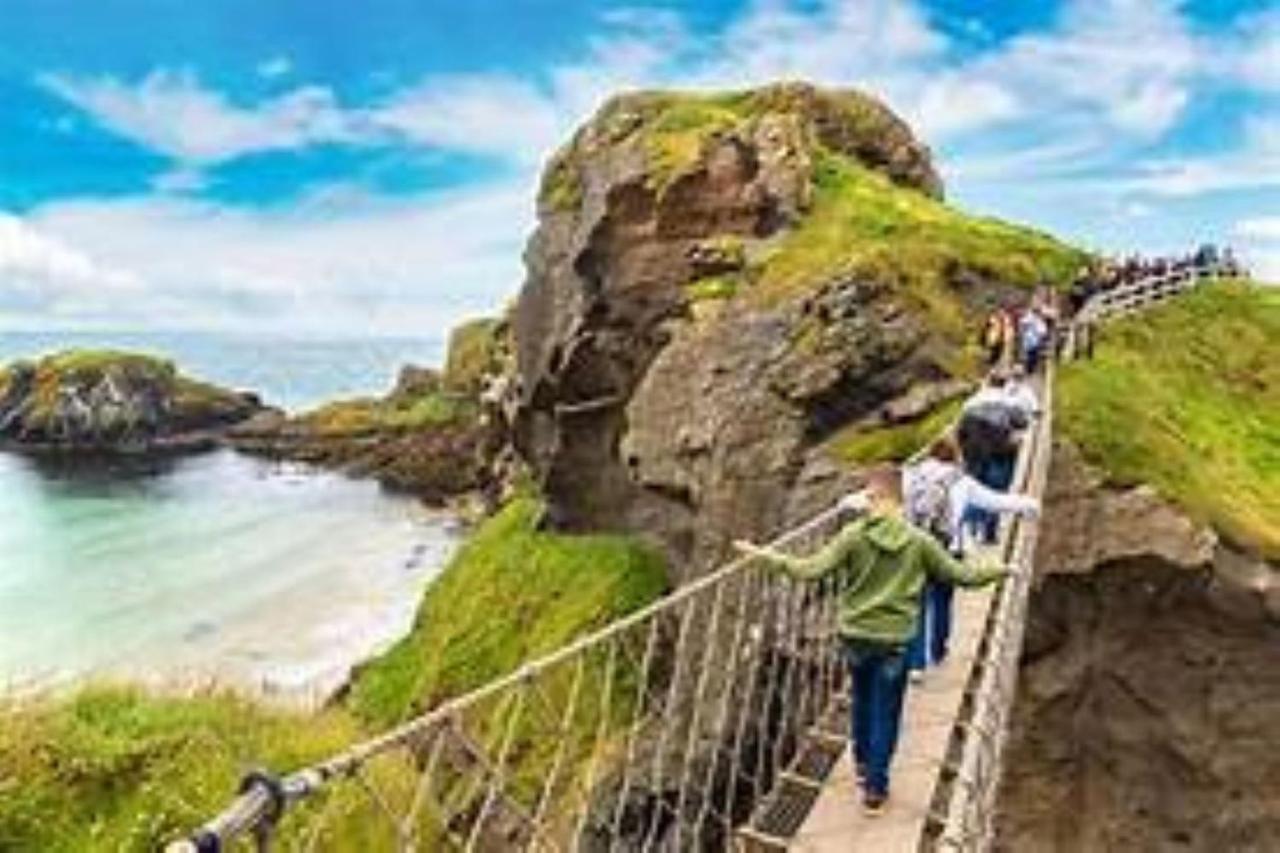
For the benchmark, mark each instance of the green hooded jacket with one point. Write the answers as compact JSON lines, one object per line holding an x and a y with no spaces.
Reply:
{"x":883,"y":562}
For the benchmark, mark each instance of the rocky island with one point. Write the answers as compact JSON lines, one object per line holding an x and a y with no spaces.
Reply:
{"x":106,"y":401}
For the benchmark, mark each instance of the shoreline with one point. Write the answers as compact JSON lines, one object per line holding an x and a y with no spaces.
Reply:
{"x":295,"y":638}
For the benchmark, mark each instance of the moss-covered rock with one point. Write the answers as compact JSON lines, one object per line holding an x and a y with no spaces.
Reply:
{"x":477,"y":351}
{"x":720,"y":283}
{"x":108,"y":400}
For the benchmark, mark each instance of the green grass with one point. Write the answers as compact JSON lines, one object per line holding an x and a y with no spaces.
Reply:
{"x":117,"y":769}
{"x":511,"y":593}
{"x":712,"y":287}
{"x":1186,"y":397}
{"x":473,"y":353}
{"x":113,"y":768}
{"x":368,"y":416}
{"x":863,"y":223}
{"x":860,"y":446}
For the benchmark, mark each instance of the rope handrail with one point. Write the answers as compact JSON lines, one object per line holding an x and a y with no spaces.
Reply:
{"x":672,"y":722}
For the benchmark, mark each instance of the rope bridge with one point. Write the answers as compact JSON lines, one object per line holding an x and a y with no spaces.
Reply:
{"x":708,"y":720}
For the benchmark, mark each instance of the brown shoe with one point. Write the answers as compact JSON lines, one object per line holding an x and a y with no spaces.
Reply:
{"x":874,"y":804}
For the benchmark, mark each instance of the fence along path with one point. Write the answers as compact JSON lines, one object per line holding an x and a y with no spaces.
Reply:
{"x":707,"y":720}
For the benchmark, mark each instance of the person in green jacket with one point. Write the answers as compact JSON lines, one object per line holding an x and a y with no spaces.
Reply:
{"x":884,"y":563}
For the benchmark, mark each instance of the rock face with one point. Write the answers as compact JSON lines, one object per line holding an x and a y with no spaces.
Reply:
{"x":113,"y":401}
{"x":644,"y":401}
{"x":1149,"y":705}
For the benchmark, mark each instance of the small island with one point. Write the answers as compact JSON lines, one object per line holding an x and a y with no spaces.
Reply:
{"x":115,"y":402}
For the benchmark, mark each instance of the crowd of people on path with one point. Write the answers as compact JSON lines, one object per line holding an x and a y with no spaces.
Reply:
{"x":920,"y":532}
{"x":1111,"y":273}
{"x":928,"y":527}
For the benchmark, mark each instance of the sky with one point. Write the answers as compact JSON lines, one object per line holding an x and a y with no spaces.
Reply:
{"x":307,"y":167}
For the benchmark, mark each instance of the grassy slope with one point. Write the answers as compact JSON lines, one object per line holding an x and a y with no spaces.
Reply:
{"x":368,"y":416}
{"x":118,"y":769}
{"x":894,"y":443}
{"x":1187,"y":398}
{"x":861,"y":222}
{"x":512,"y":593}
{"x":122,"y":769}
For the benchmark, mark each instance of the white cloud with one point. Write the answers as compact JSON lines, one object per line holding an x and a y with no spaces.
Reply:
{"x":41,"y":273}
{"x":338,"y":262}
{"x":952,"y":103}
{"x":1254,"y":58}
{"x":1255,"y":165}
{"x":277,"y":66}
{"x":1259,"y":228}
{"x":172,"y":113}
{"x":496,"y":115}
{"x":1259,"y":238}
{"x":1050,"y":117}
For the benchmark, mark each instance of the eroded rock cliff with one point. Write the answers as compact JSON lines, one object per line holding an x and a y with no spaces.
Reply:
{"x":717,"y":286}
{"x":1147,"y":711}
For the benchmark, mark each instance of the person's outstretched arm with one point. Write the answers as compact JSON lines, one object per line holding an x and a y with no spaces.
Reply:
{"x":815,"y":565}
{"x":976,"y":494}
{"x":942,"y":566}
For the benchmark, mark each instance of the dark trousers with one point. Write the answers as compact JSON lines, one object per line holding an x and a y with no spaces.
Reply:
{"x":996,"y":472}
{"x":933,"y":635}
{"x":878,"y":679}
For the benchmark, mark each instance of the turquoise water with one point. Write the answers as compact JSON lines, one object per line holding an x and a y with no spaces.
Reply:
{"x":213,"y":567}
{"x":288,"y":372}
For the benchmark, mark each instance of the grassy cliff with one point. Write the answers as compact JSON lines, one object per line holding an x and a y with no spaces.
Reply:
{"x":511,"y":594}
{"x":114,"y":768}
{"x":122,"y":769}
{"x":1186,"y":397}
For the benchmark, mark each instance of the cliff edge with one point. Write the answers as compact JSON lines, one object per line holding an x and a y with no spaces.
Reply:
{"x":720,"y":288}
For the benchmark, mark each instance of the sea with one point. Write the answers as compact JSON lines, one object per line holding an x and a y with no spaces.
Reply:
{"x":217,"y":568}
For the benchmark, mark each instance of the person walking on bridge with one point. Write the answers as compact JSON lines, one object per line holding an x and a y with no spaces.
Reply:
{"x":883,"y":563}
{"x":937,"y":495}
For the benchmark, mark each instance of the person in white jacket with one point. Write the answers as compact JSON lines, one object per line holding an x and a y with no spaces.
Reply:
{"x":937,"y":496}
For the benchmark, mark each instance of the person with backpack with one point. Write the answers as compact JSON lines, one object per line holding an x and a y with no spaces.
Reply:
{"x":882,"y":562}
{"x":988,"y":436}
{"x":936,"y":495}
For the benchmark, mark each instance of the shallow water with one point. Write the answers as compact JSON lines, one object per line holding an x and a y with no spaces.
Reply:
{"x":213,"y":567}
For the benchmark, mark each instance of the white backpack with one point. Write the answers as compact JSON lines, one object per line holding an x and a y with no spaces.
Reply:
{"x":927,"y":496}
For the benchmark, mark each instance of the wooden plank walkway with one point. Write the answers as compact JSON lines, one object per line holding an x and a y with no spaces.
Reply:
{"x":837,"y":823}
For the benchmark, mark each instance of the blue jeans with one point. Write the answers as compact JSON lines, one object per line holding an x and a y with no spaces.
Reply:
{"x":878,"y":683}
{"x":995,"y":472}
{"x":933,"y":634}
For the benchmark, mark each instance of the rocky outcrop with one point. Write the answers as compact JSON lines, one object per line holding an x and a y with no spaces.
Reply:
{"x":655,"y":391}
{"x":1149,"y":704}
{"x":434,"y":435}
{"x":110,"y":401}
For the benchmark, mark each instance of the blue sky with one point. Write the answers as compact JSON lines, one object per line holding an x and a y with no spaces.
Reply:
{"x":315,"y":167}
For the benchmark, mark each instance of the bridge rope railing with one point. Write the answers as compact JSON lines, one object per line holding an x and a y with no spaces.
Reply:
{"x":662,"y":728}
{"x":964,"y":811}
